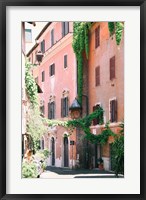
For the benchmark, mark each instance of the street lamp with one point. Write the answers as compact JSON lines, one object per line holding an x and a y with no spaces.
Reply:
{"x":39,"y":57}
{"x":75,"y":109}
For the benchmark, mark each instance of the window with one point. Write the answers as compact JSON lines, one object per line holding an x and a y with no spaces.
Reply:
{"x":64,"y":107}
{"x":96,"y":120}
{"x":113,"y":110}
{"x":52,"y":37}
{"x":43,"y":46}
{"x":65,"y":61}
{"x":52,"y":69}
{"x":43,"y":76}
{"x":42,"y":143}
{"x":51,"y":110}
{"x":28,"y":35}
{"x":97,"y":76}
{"x":112,"y":68}
{"x":97,"y":37}
{"x":65,"y":28}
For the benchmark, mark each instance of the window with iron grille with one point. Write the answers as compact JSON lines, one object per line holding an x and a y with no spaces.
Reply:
{"x":52,"y":69}
{"x":97,"y":37}
{"x":52,"y":37}
{"x":65,"y":28}
{"x":43,"y":46}
{"x":64,"y":107}
{"x":51,"y":110}
{"x":97,"y":76}
{"x":43,"y":76}
{"x":96,"y":120}
{"x":113,"y":110}
{"x":65,"y":61}
{"x":112,"y":68}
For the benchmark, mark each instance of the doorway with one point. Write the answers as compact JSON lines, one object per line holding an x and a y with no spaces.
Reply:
{"x":66,"y":163}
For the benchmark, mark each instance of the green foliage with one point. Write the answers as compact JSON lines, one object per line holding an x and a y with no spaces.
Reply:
{"x":30,"y":84}
{"x":118,"y":152}
{"x":35,"y":126}
{"x":80,"y":45}
{"x":29,"y":170}
{"x":117,"y":28}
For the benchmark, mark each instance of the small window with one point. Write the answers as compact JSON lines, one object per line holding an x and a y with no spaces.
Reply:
{"x":52,"y":69}
{"x":64,"y":107}
{"x":112,"y":68}
{"x":113,"y":110}
{"x":97,"y":37}
{"x":51,"y":110}
{"x":65,"y":61}
{"x":42,"y":110}
{"x":43,"y":46}
{"x":97,"y":76}
{"x":43,"y":76}
{"x":52,"y":37}
{"x":28,"y":35}
{"x":96,"y":120}
{"x":65,"y":28}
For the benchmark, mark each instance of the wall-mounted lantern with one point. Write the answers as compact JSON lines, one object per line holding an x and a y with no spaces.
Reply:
{"x":75,"y":109}
{"x":39,"y":57}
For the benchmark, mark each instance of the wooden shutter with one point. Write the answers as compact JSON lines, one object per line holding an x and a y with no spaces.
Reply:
{"x":97,"y":76}
{"x":53,"y":110}
{"x":94,"y":120}
{"x":97,"y":36}
{"x":112,"y":68}
{"x":66,"y":27}
{"x":53,"y":70}
{"x":52,"y":37}
{"x":66,"y":106}
{"x":49,"y":111}
{"x":114,"y":110}
{"x":65,"y":61}
{"x":62,"y":100}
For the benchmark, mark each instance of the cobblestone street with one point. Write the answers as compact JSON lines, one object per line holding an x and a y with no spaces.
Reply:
{"x":57,"y":172}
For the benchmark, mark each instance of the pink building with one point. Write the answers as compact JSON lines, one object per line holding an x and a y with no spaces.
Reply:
{"x":56,"y":76}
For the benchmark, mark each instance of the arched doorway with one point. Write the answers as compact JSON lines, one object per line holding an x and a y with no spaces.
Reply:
{"x":53,"y":150}
{"x":66,"y":152}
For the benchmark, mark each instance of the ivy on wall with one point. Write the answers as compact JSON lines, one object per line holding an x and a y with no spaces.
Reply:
{"x":117,"y":28}
{"x":31,"y":87}
{"x":80,"y":44}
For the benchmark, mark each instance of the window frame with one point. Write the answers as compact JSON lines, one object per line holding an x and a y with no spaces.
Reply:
{"x":97,"y":76}
{"x":113,"y":117}
{"x":112,"y":68}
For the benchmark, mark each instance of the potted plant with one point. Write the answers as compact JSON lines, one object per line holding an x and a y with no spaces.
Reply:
{"x":100,"y":163}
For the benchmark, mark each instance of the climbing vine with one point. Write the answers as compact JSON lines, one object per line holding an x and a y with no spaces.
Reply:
{"x":80,"y":45}
{"x":117,"y":28}
{"x":31,"y":87}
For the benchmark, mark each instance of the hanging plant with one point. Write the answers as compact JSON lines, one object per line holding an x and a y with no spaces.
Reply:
{"x":117,"y":28}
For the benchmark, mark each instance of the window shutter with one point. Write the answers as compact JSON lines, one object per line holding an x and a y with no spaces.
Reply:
{"x":65,"y":61}
{"x":111,"y":119}
{"x":53,"y":69}
{"x":63,"y":31}
{"x":66,"y":106}
{"x":112,"y":68}
{"x":97,"y":76}
{"x":66,"y":27}
{"x":115,"y":110}
{"x":53,"y":110}
{"x":62,"y":100}
{"x":52,"y":37}
{"x":49,"y":117}
{"x":50,"y":70}
{"x":94,"y":120}
{"x":43,"y":46}
{"x":97,"y":36}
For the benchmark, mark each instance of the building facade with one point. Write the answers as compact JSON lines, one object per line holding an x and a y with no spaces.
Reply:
{"x":56,"y":76}
{"x":106,"y":84}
